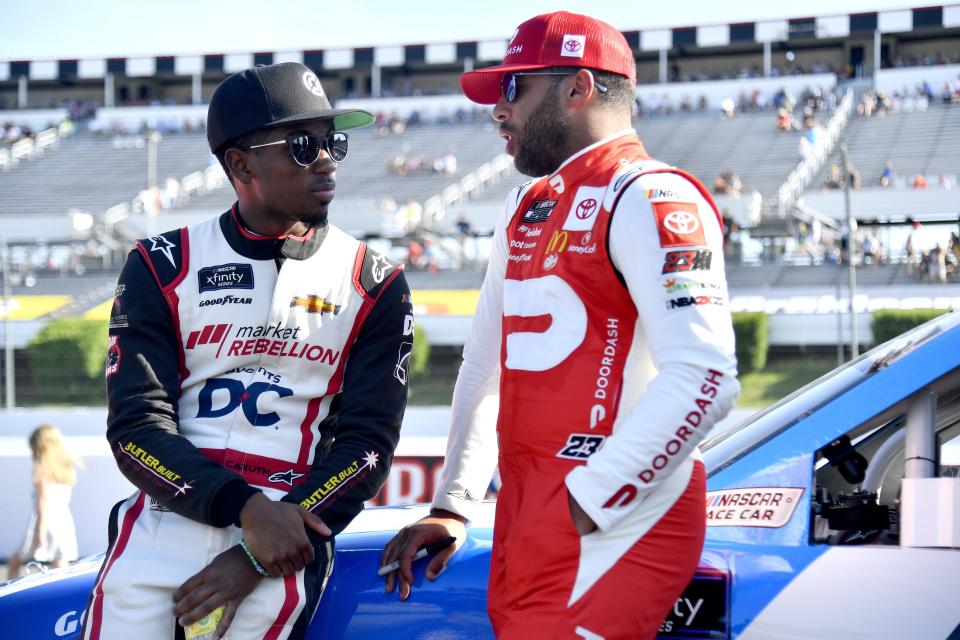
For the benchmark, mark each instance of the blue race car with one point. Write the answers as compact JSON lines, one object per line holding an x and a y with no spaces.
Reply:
{"x":833,"y":514}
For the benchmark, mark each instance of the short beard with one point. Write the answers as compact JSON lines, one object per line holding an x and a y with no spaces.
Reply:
{"x":309,"y":220}
{"x":543,"y":143}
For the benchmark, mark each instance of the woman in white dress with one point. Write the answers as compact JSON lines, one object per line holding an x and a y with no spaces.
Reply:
{"x":51,"y":537}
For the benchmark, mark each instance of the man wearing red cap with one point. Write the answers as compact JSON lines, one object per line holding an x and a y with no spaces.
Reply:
{"x":603,"y":336}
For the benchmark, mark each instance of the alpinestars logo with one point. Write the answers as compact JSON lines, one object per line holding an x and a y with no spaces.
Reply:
{"x":286,"y":477}
{"x":164,"y":246}
{"x":380,"y":267}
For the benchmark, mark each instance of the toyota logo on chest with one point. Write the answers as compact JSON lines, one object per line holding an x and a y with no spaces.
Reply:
{"x":682,"y":222}
{"x":586,"y":208}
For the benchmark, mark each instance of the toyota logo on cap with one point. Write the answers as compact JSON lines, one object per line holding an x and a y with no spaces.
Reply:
{"x":572,"y":46}
{"x":682,"y":222}
{"x":586,"y":208}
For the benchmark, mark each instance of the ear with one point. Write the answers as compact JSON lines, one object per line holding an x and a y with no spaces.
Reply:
{"x":236,"y":161}
{"x":583,"y":90}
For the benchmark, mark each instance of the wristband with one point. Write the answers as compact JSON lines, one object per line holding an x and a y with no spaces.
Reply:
{"x":256,"y":565}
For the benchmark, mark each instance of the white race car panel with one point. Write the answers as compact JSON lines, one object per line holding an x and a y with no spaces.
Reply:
{"x":854,"y":593}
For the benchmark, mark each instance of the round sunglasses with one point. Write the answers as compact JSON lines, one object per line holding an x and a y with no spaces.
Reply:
{"x":305,"y":148}
{"x":508,"y":81}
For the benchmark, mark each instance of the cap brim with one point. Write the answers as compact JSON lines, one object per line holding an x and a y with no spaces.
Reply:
{"x":483,"y":85}
{"x":342,"y":118}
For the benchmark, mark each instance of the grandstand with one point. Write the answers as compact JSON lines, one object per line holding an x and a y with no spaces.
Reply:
{"x":102,"y":172}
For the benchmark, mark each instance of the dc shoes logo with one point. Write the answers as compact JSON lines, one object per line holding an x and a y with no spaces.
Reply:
{"x":312,"y":83}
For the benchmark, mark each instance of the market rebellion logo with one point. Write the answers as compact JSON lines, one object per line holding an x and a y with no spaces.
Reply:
{"x":225,"y":276}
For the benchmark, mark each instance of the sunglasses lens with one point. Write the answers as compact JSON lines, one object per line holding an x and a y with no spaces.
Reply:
{"x":508,"y":86}
{"x":305,"y":149}
{"x":337,"y":146}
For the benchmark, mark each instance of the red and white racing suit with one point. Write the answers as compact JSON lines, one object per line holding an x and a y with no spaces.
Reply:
{"x":603,"y":337}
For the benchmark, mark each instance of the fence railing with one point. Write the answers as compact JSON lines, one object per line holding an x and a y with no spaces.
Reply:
{"x":470,"y":185}
{"x":798,"y":180}
{"x":29,"y":148}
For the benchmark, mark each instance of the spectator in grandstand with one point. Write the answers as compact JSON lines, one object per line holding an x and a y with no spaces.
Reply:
{"x":888,"y":176}
{"x":937,"y":264}
{"x":234,"y":493}
{"x":912,"y":251}
{"x":854,"y":177}
{"x":834,"y":179}
{"x":727,"y":108}
{"x":575,"y":495}
{"x":728,"y":183}
{"x":869,"y":248}
{"x":919,"y":181}
{"x":51,"y":538}
{"x":785,"y":120}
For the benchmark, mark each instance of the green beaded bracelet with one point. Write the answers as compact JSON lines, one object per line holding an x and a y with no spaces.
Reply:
{"x":253,"y":560}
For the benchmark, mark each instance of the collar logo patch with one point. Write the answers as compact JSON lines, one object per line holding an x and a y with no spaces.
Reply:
{"x":164,"y":246}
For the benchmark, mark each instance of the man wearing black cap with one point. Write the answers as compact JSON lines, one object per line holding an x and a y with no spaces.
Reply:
{"x":603,"y":335}
{"x":256,"y":381}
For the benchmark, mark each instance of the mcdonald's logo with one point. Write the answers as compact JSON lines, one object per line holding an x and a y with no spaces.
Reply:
{"x":558,"y":242}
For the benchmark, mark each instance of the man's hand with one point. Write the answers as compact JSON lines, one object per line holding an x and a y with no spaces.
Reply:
{"x":224,"y":582}
{"x":275,"y":533}
{"x":583,"y":523}
{"x":438,"y":525}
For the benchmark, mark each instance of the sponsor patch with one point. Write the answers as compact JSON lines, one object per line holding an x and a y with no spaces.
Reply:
{"x":585,"y":209}
{"x":153,"y":465}
{"x":212,"y":302}
{"x":678,"y":224}
{"x":651,"y":194}
{"x":119,"y":290}
{"x":315,"y":304}
{"x":225,"y":276}
{"x":338,"y":481}
{"x":539,"y":211}
{"x":210,"y":334}
{"x":693,"y":301}
{"x":769,"y":507}
{"x":573,"y":45}
{"x":113,"y":356}
{"x":581,"y":446}
{"x":690,"y":260}
{"x":673,"y":285}
{"x":118,"y":321}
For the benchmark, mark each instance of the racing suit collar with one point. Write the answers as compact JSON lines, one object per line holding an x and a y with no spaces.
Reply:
{"x":589,"y":148}
{"x":258,"y":247}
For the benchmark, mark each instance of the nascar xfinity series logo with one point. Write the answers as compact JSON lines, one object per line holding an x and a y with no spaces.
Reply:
{"x":225,"y":276}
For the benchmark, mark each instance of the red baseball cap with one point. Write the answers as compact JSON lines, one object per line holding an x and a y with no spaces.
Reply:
{"x":560,"y":39}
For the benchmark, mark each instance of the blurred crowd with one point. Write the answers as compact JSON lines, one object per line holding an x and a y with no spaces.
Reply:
{"x":419,"y":164}
{"x":813,"y":99}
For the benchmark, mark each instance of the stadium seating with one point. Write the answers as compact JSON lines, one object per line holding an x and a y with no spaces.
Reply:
{"x":93,"y":173}
{"x":914,"y":141}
